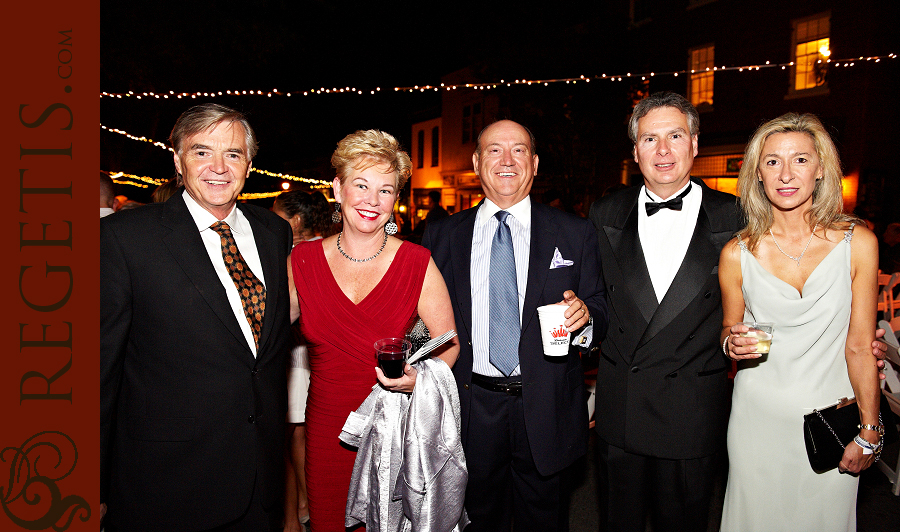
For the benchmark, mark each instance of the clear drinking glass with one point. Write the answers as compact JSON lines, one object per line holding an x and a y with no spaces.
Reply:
{"x":392,"y":354}
{"x":763,"y":332}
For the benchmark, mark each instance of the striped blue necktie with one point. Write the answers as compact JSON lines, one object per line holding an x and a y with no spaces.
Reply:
{"x":505,"y":328}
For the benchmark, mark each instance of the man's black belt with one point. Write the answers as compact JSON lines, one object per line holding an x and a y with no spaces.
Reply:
{"x":498,"y":384}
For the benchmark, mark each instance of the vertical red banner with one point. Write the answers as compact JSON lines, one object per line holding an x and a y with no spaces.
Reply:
{"x":49,"y":380}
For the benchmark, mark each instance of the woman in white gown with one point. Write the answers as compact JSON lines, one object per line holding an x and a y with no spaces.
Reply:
{"x":803,"y":265}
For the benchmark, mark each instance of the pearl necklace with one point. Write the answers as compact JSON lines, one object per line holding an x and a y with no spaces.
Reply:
{"x":795,"y":259}
{"x":360,"y":260}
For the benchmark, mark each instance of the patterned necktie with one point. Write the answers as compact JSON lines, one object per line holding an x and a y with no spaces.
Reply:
{"x":251,"y":291}
{"x":504,"y":301}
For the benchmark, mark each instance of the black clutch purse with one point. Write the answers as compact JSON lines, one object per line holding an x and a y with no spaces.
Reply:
{"x":827,"y":431}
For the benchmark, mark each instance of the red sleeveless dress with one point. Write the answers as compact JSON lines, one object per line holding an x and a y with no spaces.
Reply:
{"x":340,"y":337}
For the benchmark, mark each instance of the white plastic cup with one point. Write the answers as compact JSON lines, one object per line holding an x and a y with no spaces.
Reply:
{"x":554,"y":334}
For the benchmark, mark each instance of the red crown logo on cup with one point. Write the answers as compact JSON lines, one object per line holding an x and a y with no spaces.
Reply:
{"x":559,"y":333}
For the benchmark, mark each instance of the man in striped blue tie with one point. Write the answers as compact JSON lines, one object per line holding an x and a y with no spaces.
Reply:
{"x":524,"y":414}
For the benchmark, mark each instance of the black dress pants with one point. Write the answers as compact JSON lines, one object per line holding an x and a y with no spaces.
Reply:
{"x":256,"y":518}
{"x":505,"y":491}
{"x":674,"y":493}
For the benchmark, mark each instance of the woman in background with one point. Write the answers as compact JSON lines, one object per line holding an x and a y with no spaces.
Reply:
{"x":308,"y":219}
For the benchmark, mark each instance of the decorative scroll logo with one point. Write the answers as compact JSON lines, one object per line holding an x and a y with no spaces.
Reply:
{"x":32,"y":500}
{"x":560,"y":332}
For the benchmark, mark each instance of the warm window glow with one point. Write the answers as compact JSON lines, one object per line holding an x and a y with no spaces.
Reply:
{"x":810,"y":72}
{"x":701,"y":89}
{"x":812,"y":49}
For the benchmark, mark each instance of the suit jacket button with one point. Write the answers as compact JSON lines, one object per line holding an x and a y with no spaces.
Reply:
{"x":612,"y":288}
{"x":673,"y":374}
{"x":706,"y":295}
{"x":635,"y":369}
{"x":254,"y":371}
{"x":691,"y":337}
{"x":621,"y":330}
{"x":251,"y":419}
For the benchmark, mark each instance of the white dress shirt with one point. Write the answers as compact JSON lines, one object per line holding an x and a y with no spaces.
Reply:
{"x":666,"y":235}
{"x":486,"y":224}
{"x":243,"y":237}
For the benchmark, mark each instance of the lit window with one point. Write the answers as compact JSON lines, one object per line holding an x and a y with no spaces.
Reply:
{"x":812,"y":47}
{"x":701,"y":84}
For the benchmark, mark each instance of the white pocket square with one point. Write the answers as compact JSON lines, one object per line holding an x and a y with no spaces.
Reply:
{"x":558,"y":260}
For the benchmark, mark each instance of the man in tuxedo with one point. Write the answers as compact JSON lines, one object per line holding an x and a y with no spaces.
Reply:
{"x":662,"y":397}
{"x":192,"y":370}
{"x":524,"y":414}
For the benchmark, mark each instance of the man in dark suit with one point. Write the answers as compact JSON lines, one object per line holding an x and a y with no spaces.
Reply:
{"x":524,"y":418}
{"x":662,"y":396}
{"x":193,"y":386}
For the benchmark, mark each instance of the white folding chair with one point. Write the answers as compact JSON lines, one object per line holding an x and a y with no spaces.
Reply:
{"x":890,"y":387}
{"x":886,"y":304}
{"x":891,"y":288}
{"x":591,"y":402}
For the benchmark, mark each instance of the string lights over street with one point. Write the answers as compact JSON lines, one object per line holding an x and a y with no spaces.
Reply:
{"x":315,"y":183}
{"x":836,"y":63}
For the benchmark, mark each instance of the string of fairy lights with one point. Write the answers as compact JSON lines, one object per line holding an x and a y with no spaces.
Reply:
{"x":138,"y":181}
{"x":141,"y":182}
{"x":836,"y":63}
{"x":144,"y":182}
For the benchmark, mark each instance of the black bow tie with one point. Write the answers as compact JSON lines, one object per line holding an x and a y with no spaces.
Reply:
{"x":674,"y":203}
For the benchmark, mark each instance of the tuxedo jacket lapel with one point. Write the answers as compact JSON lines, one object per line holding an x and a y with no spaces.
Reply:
{"x":186,"y":246}
{"x":626,"y":246}
{"x":690,"y":279}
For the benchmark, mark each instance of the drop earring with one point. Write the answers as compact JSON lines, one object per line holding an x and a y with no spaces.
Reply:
{"x":391,"y":227}
{"x":336,"y":215}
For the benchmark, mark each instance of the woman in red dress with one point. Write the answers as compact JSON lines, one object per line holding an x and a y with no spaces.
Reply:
{"x":352,"y":289}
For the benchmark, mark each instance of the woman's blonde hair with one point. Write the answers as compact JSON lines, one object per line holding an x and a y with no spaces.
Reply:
{"x":363,"y":149}
{"x":828,"y":202}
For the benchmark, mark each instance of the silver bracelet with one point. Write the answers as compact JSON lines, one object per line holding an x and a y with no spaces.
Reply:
{"x":879,"y":428}
{"x":723,"y":346}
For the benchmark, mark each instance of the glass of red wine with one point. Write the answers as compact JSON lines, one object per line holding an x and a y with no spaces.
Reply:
{"x":392,"y":354}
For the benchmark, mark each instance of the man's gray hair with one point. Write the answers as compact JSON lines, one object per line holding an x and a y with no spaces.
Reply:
{"x":204,"y":116}
{"x":663,"y":99}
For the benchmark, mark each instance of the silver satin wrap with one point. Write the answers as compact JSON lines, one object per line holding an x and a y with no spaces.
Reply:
{"x":410,"y":470}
